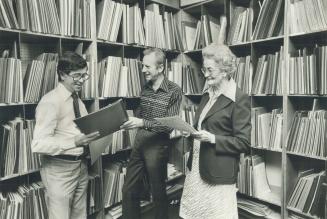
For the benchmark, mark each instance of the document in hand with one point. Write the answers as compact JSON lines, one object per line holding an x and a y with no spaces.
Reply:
{"x":106,"y":121}
{"x":176,"y":123}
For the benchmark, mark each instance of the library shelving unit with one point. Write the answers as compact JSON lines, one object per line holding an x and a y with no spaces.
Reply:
{"x":277,"y":41}
{"x":274,"y":41}
{"x":27,"y":44}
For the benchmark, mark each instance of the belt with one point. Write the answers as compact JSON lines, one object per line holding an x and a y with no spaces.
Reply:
{"x":86,"y":152}
{"x":70,"y":157}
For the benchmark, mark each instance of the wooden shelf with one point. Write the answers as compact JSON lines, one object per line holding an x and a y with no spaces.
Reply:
{"x":303,"y":34}
{"x":266,"y":149}
{"x":271,"y":198}
{"x":43,"y":35}
{"x":307,"y":95}
{"x":195,"y":5}
{"x":241,"y":45}
{"x":25,"y":103}
{"x":175,"y":178}
{"x":16,"y":175}
{"x":193,"y":51}
{"x":119,"y":151}
{"x":266,"y":95}
{"x":306,"y":156}
{"x":309,"y":216}
{"x":271,"y":39}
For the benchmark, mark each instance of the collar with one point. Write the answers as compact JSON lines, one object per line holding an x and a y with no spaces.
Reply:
{"x":163,"y":86}
{"x":63,"y":92}
{"x":228,"y":89}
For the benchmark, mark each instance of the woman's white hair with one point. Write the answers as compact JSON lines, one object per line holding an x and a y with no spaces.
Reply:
{"x":223,"y":56}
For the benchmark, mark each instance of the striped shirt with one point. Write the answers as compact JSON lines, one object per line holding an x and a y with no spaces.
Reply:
{"x":163,"y":102}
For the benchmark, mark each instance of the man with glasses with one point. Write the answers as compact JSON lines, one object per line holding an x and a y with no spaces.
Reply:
{"x":63,"y":148}
{"x":159,"y":98}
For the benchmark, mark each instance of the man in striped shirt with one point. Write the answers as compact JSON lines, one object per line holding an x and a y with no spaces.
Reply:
{"x":159,"y":98}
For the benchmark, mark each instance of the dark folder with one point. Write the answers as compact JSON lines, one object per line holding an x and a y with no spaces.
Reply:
{"x":107,"y":120}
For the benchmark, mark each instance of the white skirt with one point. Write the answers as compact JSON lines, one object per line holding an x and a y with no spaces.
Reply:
{"x":203,"y":200}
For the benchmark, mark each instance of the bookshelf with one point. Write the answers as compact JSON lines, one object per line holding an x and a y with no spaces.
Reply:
{"x":27,"y":43}
{"x":282,"y":165}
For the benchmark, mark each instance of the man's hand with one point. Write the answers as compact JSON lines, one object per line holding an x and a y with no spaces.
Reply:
{"x":132,"y":123}
{"x":204,"y":136}
{"x":83,"y":140}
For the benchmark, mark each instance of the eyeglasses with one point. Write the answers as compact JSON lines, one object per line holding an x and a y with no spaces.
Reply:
{"x":79,"y":76}
{"x":213,"y":70}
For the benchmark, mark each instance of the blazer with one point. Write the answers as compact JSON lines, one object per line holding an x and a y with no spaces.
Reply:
{"x":230,"y":122}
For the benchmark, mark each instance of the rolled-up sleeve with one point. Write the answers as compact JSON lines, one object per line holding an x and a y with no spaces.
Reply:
{"x":239,"y":141}
{"x":45,"y":141}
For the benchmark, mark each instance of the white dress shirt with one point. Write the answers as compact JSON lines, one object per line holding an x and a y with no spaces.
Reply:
{"x":55,"y":130}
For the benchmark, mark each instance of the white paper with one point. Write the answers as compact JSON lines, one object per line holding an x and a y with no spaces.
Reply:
{"x":176,"y":123}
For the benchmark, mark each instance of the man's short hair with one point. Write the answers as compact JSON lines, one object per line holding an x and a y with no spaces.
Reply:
{"x":160,"y":55}
{"x":70,"y":61}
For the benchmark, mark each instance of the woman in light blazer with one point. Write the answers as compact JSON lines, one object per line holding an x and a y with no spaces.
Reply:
{"x":224,"y":127}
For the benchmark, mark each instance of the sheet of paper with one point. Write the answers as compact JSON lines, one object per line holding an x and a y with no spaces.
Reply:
{"x":176,"y":123}
{"x":98,"y":146}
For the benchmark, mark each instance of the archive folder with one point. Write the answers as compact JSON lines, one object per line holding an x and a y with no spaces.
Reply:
{"x":106,"y":121}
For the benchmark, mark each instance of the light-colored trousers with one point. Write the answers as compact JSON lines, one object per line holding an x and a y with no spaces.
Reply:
{"x":65,"y":187}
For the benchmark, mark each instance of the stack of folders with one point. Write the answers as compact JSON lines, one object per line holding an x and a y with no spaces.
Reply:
{"x":11,"y":80}
{"x":121,"y":140}
{"x":266,"y":128}
{"x":292,"y":215}
{"x":175,"y":73}
{"x":66,"y":17}
{"x":270,"y":21}
{"x":240,"y":30}
{"x":89,"y":90}
{"x":187,"y":114}
{"x":185,"y":160}
{"x":201,"y":33}
{"x":94,"y":201}
{"x":33,"y":15}
{"x":307,"y":70}
{"x":15,"y":148}
{"x":268,"y":74}
{"x":161,"y":30}
{"x":117,"y":80}
{"x":75,"y":18}
{"x":249,"y":209}
{"x":307,"y":195}
{"x":172,"y":171}
{"x":301,"y":19}
{"x":252,"y":178}
{"x":244,"y":179}
{"x":321,"y":58}
{"x":243,"y":74}
{"x":193,"y":81}
{"x":116,"y":212}
{"x":307,"y":133}
{"x":41,"y":77}
{"x":110,"y":16}
{"x":113,"y":174}
{"x":186,"y":77}
{"x":27,"y":202}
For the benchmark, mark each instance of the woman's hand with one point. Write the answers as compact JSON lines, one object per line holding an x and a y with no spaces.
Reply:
{"x":204,"y":136}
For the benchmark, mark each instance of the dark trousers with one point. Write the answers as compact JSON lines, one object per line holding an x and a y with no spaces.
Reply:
{"x":148,"y":157}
